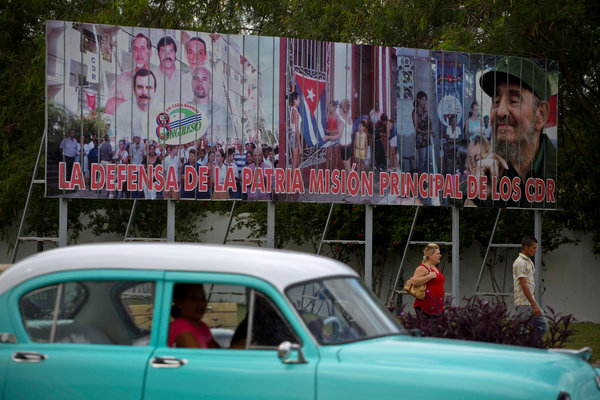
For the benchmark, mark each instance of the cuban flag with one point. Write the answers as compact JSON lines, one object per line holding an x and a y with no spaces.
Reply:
{"x":313,"y":110}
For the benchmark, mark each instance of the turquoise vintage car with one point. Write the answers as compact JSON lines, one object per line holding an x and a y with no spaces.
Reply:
{"x":92,"y":322}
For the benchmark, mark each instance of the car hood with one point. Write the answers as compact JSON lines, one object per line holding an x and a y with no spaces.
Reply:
{"x":472,"y":361}
{"x":395,"y":350}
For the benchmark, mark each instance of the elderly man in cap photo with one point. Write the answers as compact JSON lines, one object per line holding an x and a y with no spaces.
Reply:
{"x":520,"y":91}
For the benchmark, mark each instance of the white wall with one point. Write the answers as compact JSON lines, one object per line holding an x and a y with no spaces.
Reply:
{"x":571,"y":280}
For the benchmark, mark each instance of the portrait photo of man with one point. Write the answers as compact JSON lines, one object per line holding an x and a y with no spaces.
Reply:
{"x":134,"y":117}
{"x":214,"y":116}
{"x":520,"y":91}
{"x":121,"y":91}
{"x":196,"y":53}
{"x":169,"y":88}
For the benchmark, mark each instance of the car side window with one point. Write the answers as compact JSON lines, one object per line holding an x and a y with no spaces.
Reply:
{"x":269,"y":327}
{"x":137,"y":300}
{"x":92,"y":312}
{"x":224,"y":312}
{"x":39,"y":306}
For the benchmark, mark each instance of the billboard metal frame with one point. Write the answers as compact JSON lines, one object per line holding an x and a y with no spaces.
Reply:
{"x":324,"y":61}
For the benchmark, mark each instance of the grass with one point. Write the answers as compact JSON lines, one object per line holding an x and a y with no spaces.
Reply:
{"x":587,"y":334}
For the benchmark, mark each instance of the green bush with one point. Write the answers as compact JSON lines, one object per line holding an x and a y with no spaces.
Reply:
{"x":490,"y":321}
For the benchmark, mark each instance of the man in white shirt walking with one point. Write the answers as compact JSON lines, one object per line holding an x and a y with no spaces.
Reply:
{"x":524,"y":286}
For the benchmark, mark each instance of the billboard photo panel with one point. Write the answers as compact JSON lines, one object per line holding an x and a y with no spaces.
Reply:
{"x":142,"y":113}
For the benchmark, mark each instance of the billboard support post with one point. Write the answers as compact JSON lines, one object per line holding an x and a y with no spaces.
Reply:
{"x":271,"y":225}
{"x":231,"y":214}
{"x":170,"y":221}
{"x":369,"y":246}
{"x":62,"y":222}
{"x":326,"y":228}
{"x":131,"y":214}
{"x":455,"y":255}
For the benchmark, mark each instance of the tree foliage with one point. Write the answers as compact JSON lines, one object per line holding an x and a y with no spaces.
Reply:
{"x":566,"y":31}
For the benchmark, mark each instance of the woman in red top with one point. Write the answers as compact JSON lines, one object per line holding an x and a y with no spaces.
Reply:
{"x":428,"y":273}
{"x":188,"y":329}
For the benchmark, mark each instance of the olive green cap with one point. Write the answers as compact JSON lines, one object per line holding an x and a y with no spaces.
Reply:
{"x":521,"y":71}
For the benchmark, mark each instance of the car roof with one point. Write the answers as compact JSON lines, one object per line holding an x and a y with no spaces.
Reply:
{"x":281,"y":268}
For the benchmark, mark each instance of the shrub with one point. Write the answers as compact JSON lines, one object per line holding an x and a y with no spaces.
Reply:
{"x":489,"y":321}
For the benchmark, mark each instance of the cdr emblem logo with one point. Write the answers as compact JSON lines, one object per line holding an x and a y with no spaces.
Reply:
{"x":163,"y":129}
{"x":180,"y":123}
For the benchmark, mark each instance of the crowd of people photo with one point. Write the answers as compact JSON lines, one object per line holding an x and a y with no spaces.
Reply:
{"x":370,"y":142}
{"x":217,"y":158}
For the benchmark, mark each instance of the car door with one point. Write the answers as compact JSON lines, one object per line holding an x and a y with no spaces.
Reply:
{"x":82,"y":335}
{"x":252,"y":371}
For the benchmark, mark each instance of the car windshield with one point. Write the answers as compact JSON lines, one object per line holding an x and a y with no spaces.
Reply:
{"x":341,"y":310}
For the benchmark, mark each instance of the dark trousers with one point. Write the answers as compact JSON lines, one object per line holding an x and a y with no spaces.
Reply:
{"x":70,"y":161}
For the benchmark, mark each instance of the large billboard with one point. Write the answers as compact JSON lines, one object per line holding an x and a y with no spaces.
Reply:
{"x":140,"y":113}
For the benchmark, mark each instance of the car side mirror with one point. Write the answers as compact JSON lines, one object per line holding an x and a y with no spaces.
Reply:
{"x":285,"y":350}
